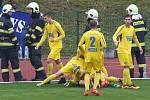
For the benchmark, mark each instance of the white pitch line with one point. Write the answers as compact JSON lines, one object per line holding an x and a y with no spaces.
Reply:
{"x":53,"y":81}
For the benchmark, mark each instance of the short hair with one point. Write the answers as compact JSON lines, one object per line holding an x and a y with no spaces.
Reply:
{"x":47,"y":14}
{"x":93,"y":23}
{"x":127,"y":16}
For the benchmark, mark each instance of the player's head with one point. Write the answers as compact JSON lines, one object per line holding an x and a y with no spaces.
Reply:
{"x":92,"y":14}
{"x":132,"y":9}
{"x":33,"y":7}
{"x":47,"y":18}
{"x":127,"y":20}
{"x":93,"y":23}
{"x":7,"y":9}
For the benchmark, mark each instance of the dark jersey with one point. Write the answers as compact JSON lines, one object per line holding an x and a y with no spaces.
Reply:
{"x":140,"y":30}
{"x":7,"y":34}
{"x":35,"y":31}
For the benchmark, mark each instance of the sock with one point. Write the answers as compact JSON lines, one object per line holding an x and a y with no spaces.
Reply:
{"x":129,"y":82}
{"x":51,"y":77}
{"x":96,"y":80}
{"x":60,"y":65}
{"x":126,"y":77}
{"x":87,"y":81}
{"x":104,"y":70}
{"x":49,"y":69}
{"x":102,"y":76}
{"x":112,"y":79}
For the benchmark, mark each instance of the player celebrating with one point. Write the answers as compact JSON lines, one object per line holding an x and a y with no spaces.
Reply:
{"x":93,"y":14}
{"x":105,"y":81}
{"x":125,"y":33}
{"x":73,"y":67}
{"x":93,"y":44}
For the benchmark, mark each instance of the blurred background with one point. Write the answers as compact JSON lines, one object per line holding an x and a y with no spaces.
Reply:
{"x":71,"y":15}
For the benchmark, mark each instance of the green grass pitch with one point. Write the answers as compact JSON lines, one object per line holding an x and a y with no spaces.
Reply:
{"x":28,"y":91}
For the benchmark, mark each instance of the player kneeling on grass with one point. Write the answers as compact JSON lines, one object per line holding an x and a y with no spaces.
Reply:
{"x":123,"y":40}
{"x":71,"y":68}
{"x":105,"y":81}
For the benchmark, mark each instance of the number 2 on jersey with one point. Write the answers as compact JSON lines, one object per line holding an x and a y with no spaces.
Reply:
{"x":92,"y":39}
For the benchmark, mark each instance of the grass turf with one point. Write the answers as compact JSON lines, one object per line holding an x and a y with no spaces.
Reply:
{"x":28,"y":91}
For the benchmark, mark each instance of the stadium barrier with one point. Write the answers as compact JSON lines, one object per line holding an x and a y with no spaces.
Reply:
{"x":112,"y":65}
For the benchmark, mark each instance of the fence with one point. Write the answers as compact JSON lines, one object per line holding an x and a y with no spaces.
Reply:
{"x":74,"y":24}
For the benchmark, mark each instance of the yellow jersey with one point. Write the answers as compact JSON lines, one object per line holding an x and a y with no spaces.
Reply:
{"x":81,"y":53}
{"x":124,"y":35}
{"x":76,"y":61}
{"x":104,"y":42}
{"x":55,"y":31}
{"x":94,"y":42}
{"x":71,"y":66}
